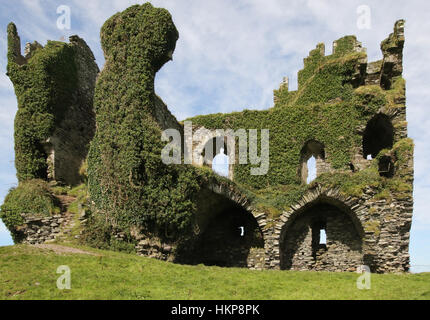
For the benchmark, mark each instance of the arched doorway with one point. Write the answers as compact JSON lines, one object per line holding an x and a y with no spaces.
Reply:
{"x":228,"y":235}
{"x":302,"y":246}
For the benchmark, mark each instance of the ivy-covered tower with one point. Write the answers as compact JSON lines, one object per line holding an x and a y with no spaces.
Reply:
{"x":55,"y":123}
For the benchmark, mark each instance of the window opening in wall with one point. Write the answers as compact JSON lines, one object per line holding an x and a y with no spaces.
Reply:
{"x":311,"y":154}
{"x":312,"y":170}
{"x":220,"y":164}
{"x":378,"y":135}
{"x":386,"y":167}
{"x":323,"y":237}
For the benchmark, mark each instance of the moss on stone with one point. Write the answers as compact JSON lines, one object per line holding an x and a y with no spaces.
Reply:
{"x":373,"y":226}
{"x":327,"y":108}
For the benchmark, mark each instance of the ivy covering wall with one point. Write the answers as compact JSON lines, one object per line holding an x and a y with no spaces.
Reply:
{"x":330,"y":106}
{"x":127,"y":180}
{"x":43,"y":85}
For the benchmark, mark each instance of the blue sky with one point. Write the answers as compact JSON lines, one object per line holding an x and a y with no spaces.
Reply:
{"x":232,"y":54}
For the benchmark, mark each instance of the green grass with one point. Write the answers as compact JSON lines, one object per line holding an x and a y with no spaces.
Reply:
{"x":30,"y":273}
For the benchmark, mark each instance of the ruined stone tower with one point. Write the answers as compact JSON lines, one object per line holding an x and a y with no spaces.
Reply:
{"x":55,"y":120}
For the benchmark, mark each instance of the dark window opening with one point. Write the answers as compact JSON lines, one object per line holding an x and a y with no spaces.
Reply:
{"x":378,"y":135}
{"x":386,"y":167}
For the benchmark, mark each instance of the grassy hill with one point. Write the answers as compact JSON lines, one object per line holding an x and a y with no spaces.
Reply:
{"x":28,"y":272}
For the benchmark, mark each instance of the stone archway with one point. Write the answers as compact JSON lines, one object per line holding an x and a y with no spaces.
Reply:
{"x":206,"y":144}
{"x":301,"y":248}
{"x":298,"y":234}
{"x":227,"y":233}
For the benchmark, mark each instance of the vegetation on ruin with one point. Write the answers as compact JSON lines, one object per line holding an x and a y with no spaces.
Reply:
{"x":328,"y":87}
{"x":127,"y":187}
{"x":43,"y":85}
{"x":108,"y":275}
{"x":30,"y":197}
{"x":127,"y":180}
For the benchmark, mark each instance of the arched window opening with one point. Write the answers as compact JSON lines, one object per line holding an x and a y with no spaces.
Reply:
{"x":312,"y":155}
{"x":319,"y":238}
{"x":213,"y":148}
{"x":312,"y":169}
{"x":378,"y":135}
{"x":220,"y":164}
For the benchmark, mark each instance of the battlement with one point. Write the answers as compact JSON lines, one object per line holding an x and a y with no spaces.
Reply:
{"x":349,"y":49}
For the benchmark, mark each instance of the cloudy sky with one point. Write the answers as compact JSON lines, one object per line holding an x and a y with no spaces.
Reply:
{"x":232,"y":54}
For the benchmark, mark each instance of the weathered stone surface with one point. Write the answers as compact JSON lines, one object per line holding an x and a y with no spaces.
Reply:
{"x":68,"y":145}
{"x":38,"y":230}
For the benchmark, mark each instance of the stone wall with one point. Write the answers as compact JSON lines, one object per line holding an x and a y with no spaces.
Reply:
{"x":256,"y":259}
{"x":302,"y":249}
{"x":382,"y":227}
{"x":40,"y":229}
{"x":67,"y":148}
{"x":154,"y":248}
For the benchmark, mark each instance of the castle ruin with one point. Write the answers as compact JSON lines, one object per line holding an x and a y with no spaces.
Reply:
{"x":347,"y":113}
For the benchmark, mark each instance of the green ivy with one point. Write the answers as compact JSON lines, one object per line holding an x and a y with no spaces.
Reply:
{"x":43,"y":84}
{"x":128,"y":182}
{"x":327,"y":107}
{"x":32,"y":197}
